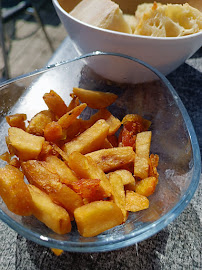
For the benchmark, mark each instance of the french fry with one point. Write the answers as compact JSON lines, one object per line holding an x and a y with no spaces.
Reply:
{"x":118,"y":193}
{"x":53,"y":132}
{"x":58,"y":150}
{"x":112,"y":158}
{"x":90,"y":140}
{"x":143,"y":142}
{"x":73,"y":103}
{"x":141,"y":166}
{"x":57,"y":251}
{"x":146,"y":186}
{"x":114,"y":123}
{"x":153,"y":164}
{"x":11,"y":150}
{"x":68,"y":118}
{"x":136,"y":202}
{"x":37,"y":174}
{"x":97,"y":217}
{"x":86,"y":168}
{"x":52,"y":215}
{"x":126,"y":176}
{"x":74,"y":129}
{"x":38,"y":123}
{"x":89,"y":189}
{"x":46,"y":150}
{"x":26,"y":146}
{"x":14,"y":191}
{"x":15,"y":162}
{"x":95,"y":99}
{"x":67,"y":176}
{"x":17,"y":120}
{"x":66,"y":197}
{"x":55,"y":103}
{"x":141,"y":123}
{"x":6,"y":157}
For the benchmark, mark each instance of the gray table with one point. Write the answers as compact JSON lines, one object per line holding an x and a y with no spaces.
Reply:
{"x":176,"y":247}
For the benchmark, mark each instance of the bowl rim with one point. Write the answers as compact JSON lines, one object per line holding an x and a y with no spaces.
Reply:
{"x":56,"y":3}
{"x":148,"y":230}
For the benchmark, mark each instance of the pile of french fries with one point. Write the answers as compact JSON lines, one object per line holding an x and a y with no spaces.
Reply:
{"x":92,"y":171}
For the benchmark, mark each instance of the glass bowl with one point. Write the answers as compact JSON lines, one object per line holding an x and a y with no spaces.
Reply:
{"x":153,"y":97}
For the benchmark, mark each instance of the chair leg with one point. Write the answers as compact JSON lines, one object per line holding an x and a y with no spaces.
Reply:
{"x":4,"y":50}
{"x":39,"y":20}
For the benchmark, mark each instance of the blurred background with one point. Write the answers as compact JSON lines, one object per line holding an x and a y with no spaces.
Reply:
{"x":30,"y":31}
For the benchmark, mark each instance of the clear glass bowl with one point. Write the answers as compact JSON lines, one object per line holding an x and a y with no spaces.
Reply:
{"x":141,"y":89}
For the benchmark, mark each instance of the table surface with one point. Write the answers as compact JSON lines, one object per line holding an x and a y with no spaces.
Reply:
{"x":178,"y":246}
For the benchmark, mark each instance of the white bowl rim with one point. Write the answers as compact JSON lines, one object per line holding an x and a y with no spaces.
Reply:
{"x":125,"y":34}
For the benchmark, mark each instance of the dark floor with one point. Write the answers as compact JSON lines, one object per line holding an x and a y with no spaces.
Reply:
{"x":26,"y":42}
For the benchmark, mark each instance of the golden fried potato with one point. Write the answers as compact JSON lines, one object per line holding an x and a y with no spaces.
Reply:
{"x":141,"y":124}
{"x":95,"y":99}
{"x":38,"y":123}
{"x":68,"y":118}
{"x":6,"y":157}
{"x":114,"y":123}
{"x":97,"y":217}
{"x":136,"y":202}
{"x":141,"y":166}
{"x":89,"y":189}
{"x":112,"y":158}
{"x":46,"y":150}
{"x":57,"y":251}
{"x":153,"y":164}
{"x":38,"y":174}
{"x":17,"y":120}
{"x":74,"y":129}
{"x":67,"y":176}
{"x":58,"y":150}
{"x":55,"y":103}
{"x":86,"y":168}
{"x":118,"y":193}
{"x":53,"y":132}
{"x":126,"y":176}
{"x":73,"y":103}
{"x":14,"y":191}
{"x":26,"y":146}
{"x":143,"y":142}
{"x":90,"y":140}
{"x":146,"y":186}
{"x":15,"y":162}
{"x":52,"y":215}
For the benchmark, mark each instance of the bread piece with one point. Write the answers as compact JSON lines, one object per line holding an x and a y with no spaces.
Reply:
{"x":169,"y":21}
{"x":131,"y":21}
{"x":101,"y":13}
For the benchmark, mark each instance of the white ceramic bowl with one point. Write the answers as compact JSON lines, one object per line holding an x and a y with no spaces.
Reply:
{"x":165,"y":54}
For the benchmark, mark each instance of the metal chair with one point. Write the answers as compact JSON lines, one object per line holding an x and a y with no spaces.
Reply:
{"x":12,"y":12}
